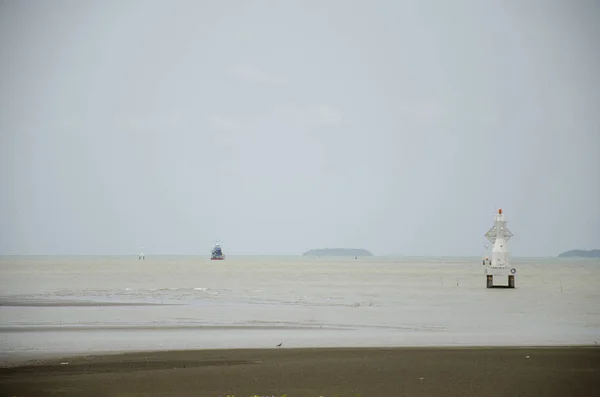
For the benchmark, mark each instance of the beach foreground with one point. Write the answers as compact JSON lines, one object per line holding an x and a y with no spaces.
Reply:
{"x":523,"y":371}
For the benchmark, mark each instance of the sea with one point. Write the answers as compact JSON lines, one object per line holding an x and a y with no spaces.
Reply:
{"x":58,"y":306}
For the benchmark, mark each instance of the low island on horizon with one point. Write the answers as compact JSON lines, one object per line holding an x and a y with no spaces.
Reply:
{"x":580,"y":254}
{"x":338,"y":252}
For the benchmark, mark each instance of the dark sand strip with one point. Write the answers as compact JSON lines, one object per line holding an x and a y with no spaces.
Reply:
{"x":478,"y":372}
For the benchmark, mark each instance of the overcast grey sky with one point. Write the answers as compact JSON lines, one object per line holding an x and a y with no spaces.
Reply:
{"x":280,"y":126}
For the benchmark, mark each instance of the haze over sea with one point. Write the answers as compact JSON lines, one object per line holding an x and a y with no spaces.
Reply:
{"x":72,"y":305}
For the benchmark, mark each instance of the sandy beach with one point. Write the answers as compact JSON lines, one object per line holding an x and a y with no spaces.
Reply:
{"x":481,"y":372}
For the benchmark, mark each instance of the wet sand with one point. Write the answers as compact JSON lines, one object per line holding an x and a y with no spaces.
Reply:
{"x":481,"y":372}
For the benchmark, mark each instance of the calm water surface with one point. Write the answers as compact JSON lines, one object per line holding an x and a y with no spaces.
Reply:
{"x":52,"y":305}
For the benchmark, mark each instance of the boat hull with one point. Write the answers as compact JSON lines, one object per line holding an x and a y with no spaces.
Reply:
{"x":216,"y":259}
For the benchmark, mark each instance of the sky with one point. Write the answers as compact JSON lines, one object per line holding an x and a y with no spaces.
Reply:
{"x":276,"y":127}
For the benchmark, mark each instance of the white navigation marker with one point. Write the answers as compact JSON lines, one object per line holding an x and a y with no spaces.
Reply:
{"x":498,"y":271}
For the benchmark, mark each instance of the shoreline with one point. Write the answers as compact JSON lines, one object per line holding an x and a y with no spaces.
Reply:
{"x":316,"y":371}
{"x":39,"y":343}
{"x":44,"y":359}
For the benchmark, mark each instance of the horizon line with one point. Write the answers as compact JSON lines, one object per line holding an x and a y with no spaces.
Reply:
{"x":268,"y":255}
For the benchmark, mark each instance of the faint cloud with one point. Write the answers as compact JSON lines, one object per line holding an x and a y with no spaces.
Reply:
{"x":325,"y":115}
{"x":426,"y":110}
{"x":255,"y":75}
{"x":321,"y":115}
{"x":222,"y":123}
{"x":158,"y":121}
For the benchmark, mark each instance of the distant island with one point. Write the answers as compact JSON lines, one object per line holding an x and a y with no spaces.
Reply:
{"x":338,"y":252}
{"x":580,"y":254}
